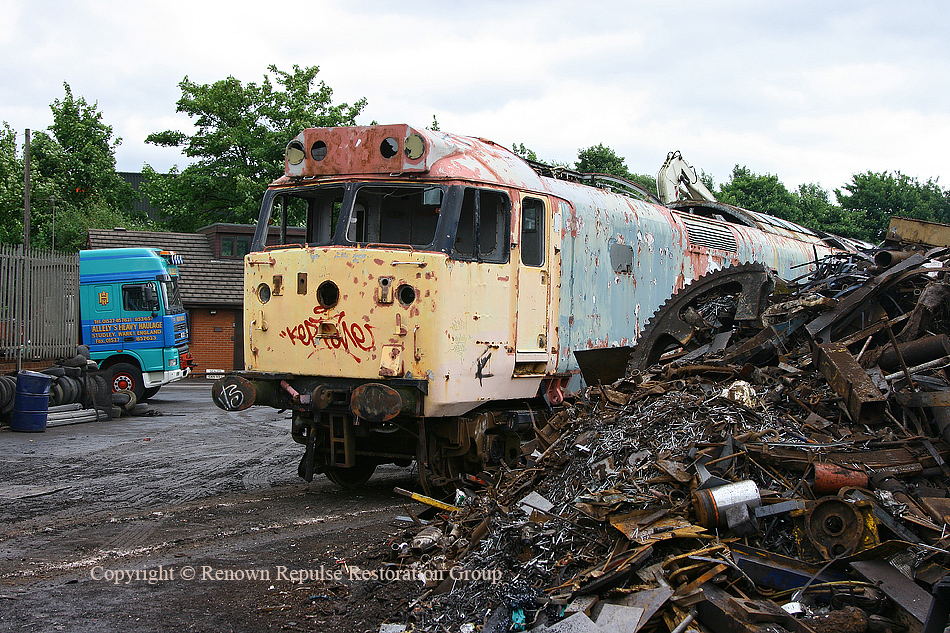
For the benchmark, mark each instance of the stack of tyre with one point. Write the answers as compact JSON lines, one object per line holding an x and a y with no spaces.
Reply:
{"x":73,"y":385}
{"x":74,"y":381}
{"x":7,"y":392}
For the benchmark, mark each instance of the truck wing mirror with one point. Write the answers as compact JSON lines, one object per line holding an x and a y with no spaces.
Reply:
{"x":151,"y":301}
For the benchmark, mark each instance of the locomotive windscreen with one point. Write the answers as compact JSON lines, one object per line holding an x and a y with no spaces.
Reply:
{"x":395,"y":215}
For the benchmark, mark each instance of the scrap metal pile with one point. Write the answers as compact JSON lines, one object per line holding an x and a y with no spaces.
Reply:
{"x":774,"y":459}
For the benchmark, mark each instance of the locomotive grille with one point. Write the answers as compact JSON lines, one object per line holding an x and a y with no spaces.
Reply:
{"x":710,"y":235}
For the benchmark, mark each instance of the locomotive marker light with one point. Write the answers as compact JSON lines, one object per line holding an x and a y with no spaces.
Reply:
{"x":263,"y":293}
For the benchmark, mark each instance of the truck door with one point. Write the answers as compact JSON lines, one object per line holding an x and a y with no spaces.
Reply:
{"x":534,"y":282}
{"x":141,"y":327}
{"x":100,"y":311}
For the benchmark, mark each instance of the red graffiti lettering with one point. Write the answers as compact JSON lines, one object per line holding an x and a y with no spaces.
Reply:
{"x":334,"y":332}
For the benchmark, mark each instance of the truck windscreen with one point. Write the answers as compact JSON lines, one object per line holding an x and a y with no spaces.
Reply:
{"x":172,"y":297}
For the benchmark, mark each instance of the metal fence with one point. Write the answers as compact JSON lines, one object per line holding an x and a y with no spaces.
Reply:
{"x":39,"y":303}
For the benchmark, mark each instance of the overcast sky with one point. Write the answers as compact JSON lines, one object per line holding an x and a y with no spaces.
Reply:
{"x":810,"y":91}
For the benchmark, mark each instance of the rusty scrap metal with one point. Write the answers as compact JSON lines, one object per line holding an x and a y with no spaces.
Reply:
{"x":763,"y":475}
{"x":864,"y":400}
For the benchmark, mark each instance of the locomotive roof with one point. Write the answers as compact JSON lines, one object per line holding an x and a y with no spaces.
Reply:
{"x":385,"y":151}
{"x":403,"y":150}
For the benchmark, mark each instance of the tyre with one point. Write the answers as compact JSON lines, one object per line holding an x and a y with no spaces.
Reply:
{"x":149,"y":392}
{"x":126,"y":377}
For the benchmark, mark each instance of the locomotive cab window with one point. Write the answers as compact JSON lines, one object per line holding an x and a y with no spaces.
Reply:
{"x":483,"y":226}
{"x":532,"y":232}
{"x":318,"y":208}
{"x":395,"y":215}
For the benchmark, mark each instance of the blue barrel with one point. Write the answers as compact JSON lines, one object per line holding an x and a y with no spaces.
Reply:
{"x":31,"y":402}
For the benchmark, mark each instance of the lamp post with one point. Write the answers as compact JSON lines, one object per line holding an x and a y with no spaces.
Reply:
{"x":53,"y":237}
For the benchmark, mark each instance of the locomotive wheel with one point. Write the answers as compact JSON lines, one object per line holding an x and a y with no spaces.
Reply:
{"x":351,"y":478}
{"x":710,"y":304}
{"x":438,"y":475}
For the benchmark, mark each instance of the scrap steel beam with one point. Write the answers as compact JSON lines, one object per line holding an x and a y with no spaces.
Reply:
{"x":864,"y":400}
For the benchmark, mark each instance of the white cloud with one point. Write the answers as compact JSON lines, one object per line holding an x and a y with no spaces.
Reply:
{"x":808,"y":91}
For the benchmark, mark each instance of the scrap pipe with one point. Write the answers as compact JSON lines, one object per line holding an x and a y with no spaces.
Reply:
{"x":916,"y":352}
{"x":919,"y":368}
{"x":886,"y":259}
{"x":682,"y":626}
{"x":293,"y":392}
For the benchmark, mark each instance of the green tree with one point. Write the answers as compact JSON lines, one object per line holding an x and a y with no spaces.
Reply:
{"x":524,"y":152}
{"x":84,"y":166}
{"x":242,"y":130}
{"x":765,"y":194}
{"x":817,"y":212}
{"x":11,"y":188}
{"x":600,"y":159}
{"x":874,"y":197}
{"x":645,"y":181}
{"x":72,"y":165}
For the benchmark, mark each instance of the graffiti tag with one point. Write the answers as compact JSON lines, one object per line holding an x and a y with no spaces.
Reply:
{"x":232,"y":397}
{"x":352,"y":338}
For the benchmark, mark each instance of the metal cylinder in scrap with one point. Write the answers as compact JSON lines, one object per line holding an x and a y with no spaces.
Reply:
{"x":714,"y":505}
{"x":31,"y":402}
{"x":830,"y":478}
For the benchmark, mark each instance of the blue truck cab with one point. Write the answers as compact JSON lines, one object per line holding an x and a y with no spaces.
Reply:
{"x":132,"y":318}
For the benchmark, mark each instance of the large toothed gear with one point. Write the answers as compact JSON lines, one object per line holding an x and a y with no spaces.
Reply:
{"x":707,"y":305}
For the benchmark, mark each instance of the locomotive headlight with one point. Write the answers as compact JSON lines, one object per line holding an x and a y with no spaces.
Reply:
{"x":294,"y":153}
{"x":415,"y":146}
{"x":263,"y":293}
{"x":406,"y":294}
{"x":328,"y":294}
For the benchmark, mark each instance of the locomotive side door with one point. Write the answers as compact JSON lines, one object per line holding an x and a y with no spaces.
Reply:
{"x":534,"y":281}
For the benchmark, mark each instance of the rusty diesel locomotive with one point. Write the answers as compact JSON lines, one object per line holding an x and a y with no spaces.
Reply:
{"x":433,"y":312}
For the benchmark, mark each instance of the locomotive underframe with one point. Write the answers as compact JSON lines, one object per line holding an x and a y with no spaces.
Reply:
{"x":348,"y":432}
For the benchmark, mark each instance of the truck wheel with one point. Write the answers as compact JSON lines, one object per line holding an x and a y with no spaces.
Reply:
{"x":127,"y":377}
{"x":151,"y":391}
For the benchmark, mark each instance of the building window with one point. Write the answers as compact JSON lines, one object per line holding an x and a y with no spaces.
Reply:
{"x":235,"y":246}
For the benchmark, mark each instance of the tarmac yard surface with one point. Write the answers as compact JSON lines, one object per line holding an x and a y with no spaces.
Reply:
{"x":191,"y":519}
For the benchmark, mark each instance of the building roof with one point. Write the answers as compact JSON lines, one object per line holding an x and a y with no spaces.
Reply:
{"x":205,"y":281}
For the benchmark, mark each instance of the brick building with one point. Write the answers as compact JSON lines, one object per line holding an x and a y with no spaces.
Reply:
{"x":212,"y":283}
